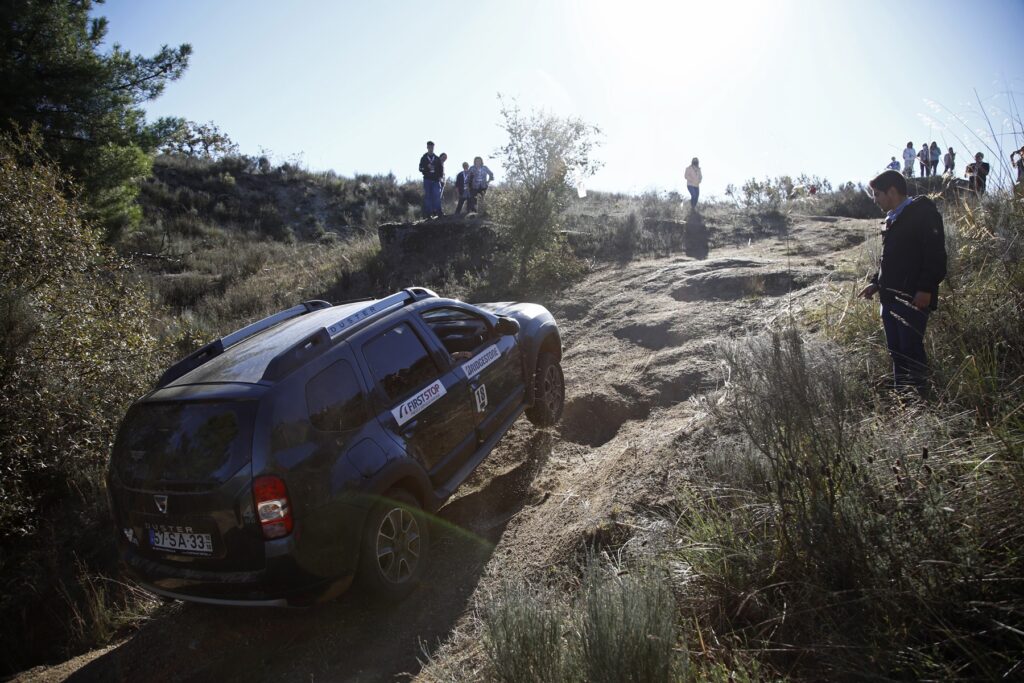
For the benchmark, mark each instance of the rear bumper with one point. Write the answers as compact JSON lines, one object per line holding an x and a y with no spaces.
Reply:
{"x":282,"y":582}
{"x":278,"y":602}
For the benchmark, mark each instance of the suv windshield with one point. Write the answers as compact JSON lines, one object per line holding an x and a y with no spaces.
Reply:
{"x":184,"y":443}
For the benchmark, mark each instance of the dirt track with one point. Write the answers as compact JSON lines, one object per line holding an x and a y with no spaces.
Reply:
{"x":640,"y":341}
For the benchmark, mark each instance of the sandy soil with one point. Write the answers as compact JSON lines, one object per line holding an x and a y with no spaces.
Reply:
{"x":641,"y":342}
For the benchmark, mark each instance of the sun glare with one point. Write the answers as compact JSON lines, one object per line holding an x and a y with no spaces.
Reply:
{"x":656,"y":40}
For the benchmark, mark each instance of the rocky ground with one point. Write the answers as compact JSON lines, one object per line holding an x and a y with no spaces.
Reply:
{"x":641,"y":343}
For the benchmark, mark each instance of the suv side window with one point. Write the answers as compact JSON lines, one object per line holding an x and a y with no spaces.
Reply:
{"x":460,"y":331}
{"x":399,"y":361}
{"x":335,"y":399}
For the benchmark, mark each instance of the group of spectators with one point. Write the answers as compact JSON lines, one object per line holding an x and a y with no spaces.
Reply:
{"x":471,"y":184}
{"x":927,"y":159}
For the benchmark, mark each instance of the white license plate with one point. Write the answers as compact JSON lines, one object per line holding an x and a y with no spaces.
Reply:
{"x":175,"y":542}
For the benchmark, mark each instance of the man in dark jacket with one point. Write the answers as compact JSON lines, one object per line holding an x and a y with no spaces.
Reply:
{"x":912,"y":264}
{"x":462,"y":187}
{"x":430,"y":167}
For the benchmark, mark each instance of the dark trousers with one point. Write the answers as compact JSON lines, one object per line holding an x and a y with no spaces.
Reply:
{"x":473,"y":194}
{"x":694,"y":194}
{"x":462,"y":200}
{"x":904,"y":328}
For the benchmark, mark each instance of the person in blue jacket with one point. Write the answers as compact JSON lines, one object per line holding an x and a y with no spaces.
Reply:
{"x":910,"y":268}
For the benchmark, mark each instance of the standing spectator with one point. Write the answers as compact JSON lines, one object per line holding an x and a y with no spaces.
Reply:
{"x":693,"y":177}
{"x":934,"y":153}
{"x":431,"y":169}
{"x":977,"y":174}
{"x":462,"y":187}
{"x":908,"y":160}
{"x":479,"y":177}
{"x":924,"y":159}
{"x":911,"y":266}
{"x":893,"y":165}
{"x":440,"y":183}
{"x":949,"y":162}
{"x":1018,"y":164}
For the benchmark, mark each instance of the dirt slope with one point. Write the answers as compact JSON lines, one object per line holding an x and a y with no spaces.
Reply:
{"x":640,"y":340}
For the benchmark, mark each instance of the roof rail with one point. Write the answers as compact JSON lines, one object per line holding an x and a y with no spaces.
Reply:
{"x":218,"y":346}
{"x":318,"y":342}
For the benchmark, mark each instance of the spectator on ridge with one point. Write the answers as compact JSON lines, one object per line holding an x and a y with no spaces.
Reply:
{"x":1018,"y":164}
{"x":462,"y":187}
{"x":924,"y":159}
{"x":977,"y":174}
{"x":693,"y":177}
{"x":431,"y":170}
{"x":949,"y":162}
{"x":440,"y":183}
{"x":911,"y":266}
{"x":893,"y":165}
{"x":908,"y":160}
{"x":934,"y":154}
{"x":479,"y":177}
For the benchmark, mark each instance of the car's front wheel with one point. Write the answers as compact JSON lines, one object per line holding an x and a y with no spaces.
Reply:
{"x":549,"y":392}
{"x":395,"y":544}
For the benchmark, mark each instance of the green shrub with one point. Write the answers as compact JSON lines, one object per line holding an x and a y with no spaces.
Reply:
{"x":525,"y":633}
{"x":849,"y":200}
{"x":76,"y":348}
{"x":628,"y":632}
{"x":542,"y":156}
{"x":875,"y":527}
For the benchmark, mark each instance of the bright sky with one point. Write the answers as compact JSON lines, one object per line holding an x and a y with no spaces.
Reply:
{"x":753,"y":88}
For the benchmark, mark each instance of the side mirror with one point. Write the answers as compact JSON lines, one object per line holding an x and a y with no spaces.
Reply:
{"x":507,"y":326}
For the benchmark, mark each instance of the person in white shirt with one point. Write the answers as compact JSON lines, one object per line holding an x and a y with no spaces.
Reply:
{"x":909,"y":155}
{"x":693,"y":177}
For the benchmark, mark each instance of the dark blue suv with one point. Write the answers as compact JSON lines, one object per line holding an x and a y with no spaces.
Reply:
{"x":276,"y":464}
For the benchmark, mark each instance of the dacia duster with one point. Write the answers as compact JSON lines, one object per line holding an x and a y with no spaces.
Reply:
{"x":276,"y":464}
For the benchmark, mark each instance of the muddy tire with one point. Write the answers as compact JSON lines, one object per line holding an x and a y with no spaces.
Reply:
{"x":549,"y":392}
{"x":393,"y":553}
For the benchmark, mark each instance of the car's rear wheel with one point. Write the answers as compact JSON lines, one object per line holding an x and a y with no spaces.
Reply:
{"x":549,"y":392}
{"x":395,"y":545}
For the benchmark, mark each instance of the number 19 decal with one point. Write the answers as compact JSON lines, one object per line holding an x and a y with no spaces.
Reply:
{"x":481,"y":398}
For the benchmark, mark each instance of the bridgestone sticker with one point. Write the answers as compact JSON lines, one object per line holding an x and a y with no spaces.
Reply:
{"x":477,"y":363}
{"x":418,"y":403}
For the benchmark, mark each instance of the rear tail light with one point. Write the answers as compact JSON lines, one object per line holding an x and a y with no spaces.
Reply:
{"x":272,"y":506}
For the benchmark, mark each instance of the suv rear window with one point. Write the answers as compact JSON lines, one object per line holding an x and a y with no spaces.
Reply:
{"x":184,"y":443}
{"x":399,"y":361}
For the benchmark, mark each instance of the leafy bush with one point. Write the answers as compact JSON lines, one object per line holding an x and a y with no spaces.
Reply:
{"x":74,"y":348}
{"x":525,"y":634}
{"x":628,"y":632}
{"x":543,"y":155}
{"x":875,"y":528}
{"x":621,"y":629}
{"x":849,"y":200}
